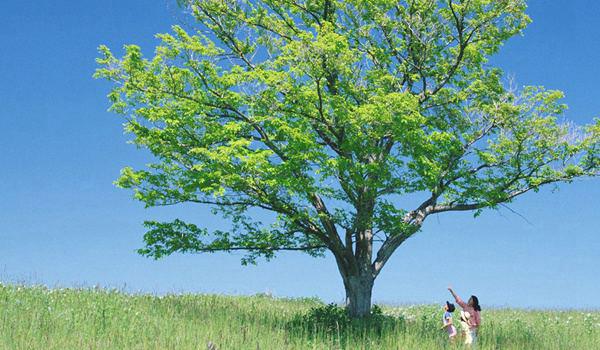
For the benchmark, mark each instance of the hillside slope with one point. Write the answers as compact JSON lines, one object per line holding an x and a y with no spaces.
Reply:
{"x":41,"y":318}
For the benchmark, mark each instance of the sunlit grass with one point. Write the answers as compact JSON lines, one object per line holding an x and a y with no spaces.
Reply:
{"x":40,"y":318}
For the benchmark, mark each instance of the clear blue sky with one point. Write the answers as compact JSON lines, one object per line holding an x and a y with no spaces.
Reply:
{"x":63,"y":223}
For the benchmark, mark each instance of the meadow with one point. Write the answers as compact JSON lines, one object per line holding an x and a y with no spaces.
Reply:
{"x":33,"y":317}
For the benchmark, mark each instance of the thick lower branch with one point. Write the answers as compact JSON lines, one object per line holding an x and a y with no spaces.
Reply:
{"x":413,"y":220}
{"x":254,"y":248}
{"x":388,"y":248}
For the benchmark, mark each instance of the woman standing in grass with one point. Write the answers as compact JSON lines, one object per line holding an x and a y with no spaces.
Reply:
{"x":474,"y":320}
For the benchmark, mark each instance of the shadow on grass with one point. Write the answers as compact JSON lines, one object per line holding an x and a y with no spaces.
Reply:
{"x":321,"y":326}
{"x":332,"y":321}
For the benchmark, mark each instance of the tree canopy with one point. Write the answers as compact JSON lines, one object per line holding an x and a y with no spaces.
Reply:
{"x":325,"y":112}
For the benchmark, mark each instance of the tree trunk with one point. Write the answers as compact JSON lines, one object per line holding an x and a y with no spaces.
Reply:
{"x":358,"y":294}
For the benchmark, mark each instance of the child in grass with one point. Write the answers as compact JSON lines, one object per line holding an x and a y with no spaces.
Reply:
{"x":447,"y":320}
{"x":464,"y":320}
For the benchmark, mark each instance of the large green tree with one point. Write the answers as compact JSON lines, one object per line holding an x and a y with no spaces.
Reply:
{"x":325,"y":113}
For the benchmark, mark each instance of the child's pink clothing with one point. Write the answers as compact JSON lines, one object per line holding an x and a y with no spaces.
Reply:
{"x":450,"y":329}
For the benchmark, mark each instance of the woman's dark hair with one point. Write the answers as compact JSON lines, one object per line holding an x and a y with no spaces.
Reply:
{"x":474,"y":303}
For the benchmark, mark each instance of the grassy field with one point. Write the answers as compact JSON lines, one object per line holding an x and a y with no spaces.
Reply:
{"x":40,"y":318}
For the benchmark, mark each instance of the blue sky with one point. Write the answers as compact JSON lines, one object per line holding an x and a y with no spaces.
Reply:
{"x":63,"y":223}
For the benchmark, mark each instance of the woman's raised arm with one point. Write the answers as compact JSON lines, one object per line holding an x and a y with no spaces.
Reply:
{"x":459,"y":301}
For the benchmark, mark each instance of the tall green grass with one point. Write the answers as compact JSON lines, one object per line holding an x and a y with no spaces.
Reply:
{"x":40,"y":318}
